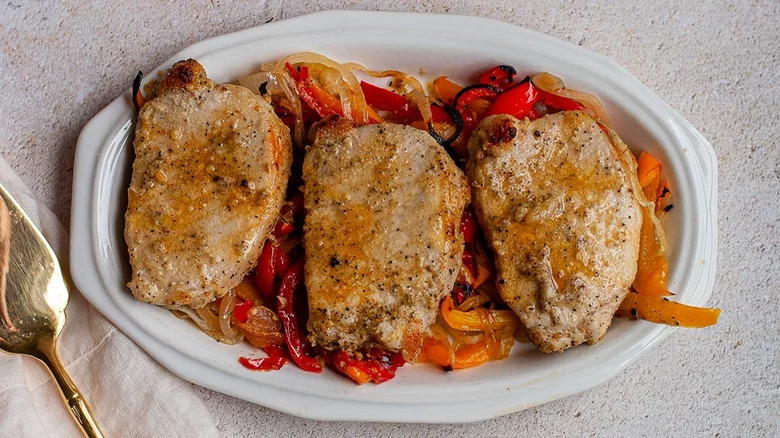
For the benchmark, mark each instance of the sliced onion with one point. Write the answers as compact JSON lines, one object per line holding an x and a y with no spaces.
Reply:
{"x":547,"y":82}
{"x":414,"y":92}
{"x":404,"y":77}
{"x":288,"y":87}
{"x":262,"y":327}
{"x":207,"y":315}
{"x":254,"y":81}
{"x":346,"y":101}
{"x":208,"y":320}
{"x":226,"y":306}
{"x":589,"y":101}
{"x":358,"y":98}
{"x":472,"y":302}
{"x":553,"y":84}
{"x":210,"y":327}
{"x":463,"y":337}
{"x":185,"y":312}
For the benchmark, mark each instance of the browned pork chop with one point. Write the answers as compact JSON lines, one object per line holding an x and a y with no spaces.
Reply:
{"x":558,"y":207}
{"x":209,"y":177}
{"x":381,"y":236}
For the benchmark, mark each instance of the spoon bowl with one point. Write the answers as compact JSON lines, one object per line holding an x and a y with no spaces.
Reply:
{"x":33,"y":297}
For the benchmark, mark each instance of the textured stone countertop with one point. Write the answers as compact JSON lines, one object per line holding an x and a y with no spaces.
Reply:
{"x":714,"y":62}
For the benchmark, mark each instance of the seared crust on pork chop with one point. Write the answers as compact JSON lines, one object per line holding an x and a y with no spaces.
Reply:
{"x":209,"y":177}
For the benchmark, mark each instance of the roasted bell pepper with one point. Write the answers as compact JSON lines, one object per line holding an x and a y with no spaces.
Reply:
{"x":479,"y":319}
{"x":266,"y":271}
{"x":471,"y":355}
{"x":380,"y":368}
{"x":653,"y":185}
{"x":263,"y":364}
{"x":558,"y":102}
{"x":241,"y":311}
{"x":468,"y":226}
{"x":465,"y":356}
{"x":661,"y":311}
{"x":517,"y":101}
{"x":470,"y":265}
{"x":285,"y":310}
{"x":403,"y":110}
{"x":446,"y":89}
{"x":461,"y":293}
{"x":437,"y":352}
{"x":500,"y":76}
{"x":274,"y":361}
{"x":324,"y":103}
{"x":477,"y":91}
{"x":652,"y":266}
{"x":382,"y":99}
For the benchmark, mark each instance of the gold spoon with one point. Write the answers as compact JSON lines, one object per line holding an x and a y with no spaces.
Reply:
{"x":33,"y":296}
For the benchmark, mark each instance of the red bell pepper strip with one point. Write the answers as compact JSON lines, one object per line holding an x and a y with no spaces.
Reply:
{"x":476,"y":91}
{"x":291,"y":210}
{"x":282,"y":228}
{"x":469,"y":262}
{"x":468,"y":226}
{"x":280,"y":260}
{"x":500,"y":76}
{"x":265,"y":272}
{"x":295,"y":205}
{"x":298,"y":74}
{"x":263,"y":364}
{"x":241,"y":311}
{"x":397,"y":360}
{"x":460,"y":294}
{"x":275,"y":360}
{"x":310,"y":91}
{"x":289,"y":319}
{"x":517,"y":101}
{"x":379,"y":370}
{"x":382,"y":99}
{"x":402,"y":109}
{"x":559,"y":102}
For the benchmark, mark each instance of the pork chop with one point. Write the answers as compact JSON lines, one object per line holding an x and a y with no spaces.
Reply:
{"x":209,"y":177}
{"x":381,"y":236}
{"x":560,"y":212}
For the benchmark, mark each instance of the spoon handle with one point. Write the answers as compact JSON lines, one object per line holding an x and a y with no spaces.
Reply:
{"x":77,"y":404}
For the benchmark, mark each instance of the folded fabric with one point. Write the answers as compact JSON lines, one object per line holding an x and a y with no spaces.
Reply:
{"x":130,"y":394}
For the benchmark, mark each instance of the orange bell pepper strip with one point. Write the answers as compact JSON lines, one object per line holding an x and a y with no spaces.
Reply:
{"x":652,"y":267}
{"x":466,"y":356}
{"x":436,"y":352}
{"x":446,"y":89}
{"x":483,"y":273}
{"x":659,"y":310}
{"x":479,"y":319}
{"x":471,"y":355}
{"x":649,"y":175}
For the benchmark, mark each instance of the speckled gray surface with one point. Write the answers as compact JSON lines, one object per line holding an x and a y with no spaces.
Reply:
{"x":715,"y":62}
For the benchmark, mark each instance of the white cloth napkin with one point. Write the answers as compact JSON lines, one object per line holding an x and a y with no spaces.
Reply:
{"x":130,"y":394}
